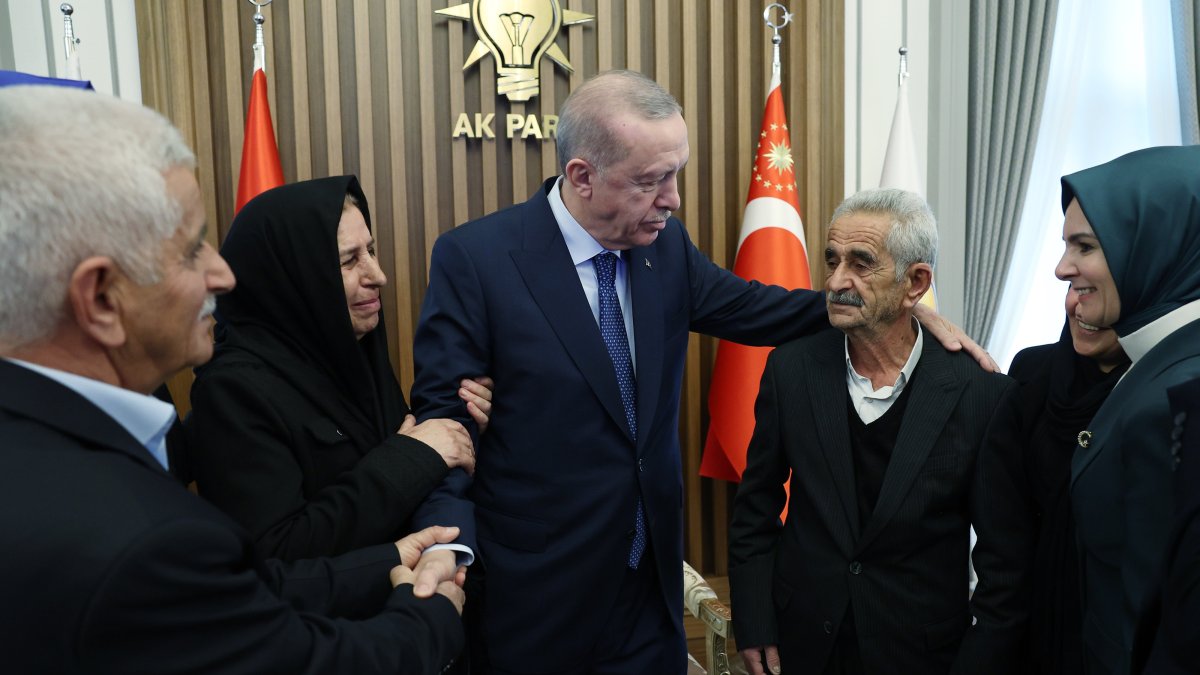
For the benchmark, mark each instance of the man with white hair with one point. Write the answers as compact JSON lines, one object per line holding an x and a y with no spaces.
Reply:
{"x":107,"y":284}
{"x":881,"y":430}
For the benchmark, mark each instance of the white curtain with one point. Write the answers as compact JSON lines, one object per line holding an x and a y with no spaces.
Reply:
{"x":1111,"y":90}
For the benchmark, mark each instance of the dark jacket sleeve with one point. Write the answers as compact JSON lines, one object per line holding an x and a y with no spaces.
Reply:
{"x":451,"y":342}
{"x":181,"y":599}
{"x":354,"y":585}
{"x":1001,"y":513}
{"x":255,"y":459}
{"x":748,"y":312}
{"x":755,"y":525}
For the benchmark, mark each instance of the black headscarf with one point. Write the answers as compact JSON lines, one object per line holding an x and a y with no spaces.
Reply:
{"x":289,"y":307}
{"x":1145,"y":209}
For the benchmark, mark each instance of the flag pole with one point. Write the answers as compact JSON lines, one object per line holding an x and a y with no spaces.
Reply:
{"x":785,"y":18}
{"x":260,"y":169}
{"x":260,"y":47}
{"x":903,"y":66}
{"x":69,"y":42}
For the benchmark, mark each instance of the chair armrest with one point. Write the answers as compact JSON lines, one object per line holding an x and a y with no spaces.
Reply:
{"x":702,"y":602}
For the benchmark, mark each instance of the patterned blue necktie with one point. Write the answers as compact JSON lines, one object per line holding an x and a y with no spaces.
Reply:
{"x":612,"y":329}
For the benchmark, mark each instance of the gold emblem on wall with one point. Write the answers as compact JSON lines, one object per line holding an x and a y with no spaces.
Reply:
{"x":517,"y":33}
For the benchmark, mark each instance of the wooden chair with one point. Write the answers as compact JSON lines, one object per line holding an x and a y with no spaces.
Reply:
{"x":702,"y":602}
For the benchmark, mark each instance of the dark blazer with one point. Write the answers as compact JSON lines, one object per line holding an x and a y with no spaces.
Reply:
{"x":274,"y":460}
{"x":557,"y":475}
{"x":1122,"y":494}
{"x":905,"y":571}
{"x":1168,"y":632}
{"x":110,"y":566}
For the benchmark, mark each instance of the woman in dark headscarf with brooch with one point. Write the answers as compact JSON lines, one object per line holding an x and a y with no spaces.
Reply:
{"x":1132,"y":235}
{"x":299,"y":429}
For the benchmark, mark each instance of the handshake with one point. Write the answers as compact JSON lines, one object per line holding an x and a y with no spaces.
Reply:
{"x":430,"y":572}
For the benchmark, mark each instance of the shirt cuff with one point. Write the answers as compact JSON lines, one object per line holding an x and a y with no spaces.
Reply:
{"x":465,"y":556}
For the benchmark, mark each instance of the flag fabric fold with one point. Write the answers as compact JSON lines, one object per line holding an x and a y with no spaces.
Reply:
{"x":900,"y":162}
{"x":770,"y":250}
{"x":261,"y":169}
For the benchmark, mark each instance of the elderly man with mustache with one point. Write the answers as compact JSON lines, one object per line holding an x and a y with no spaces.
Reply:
{"x":880,"y":428}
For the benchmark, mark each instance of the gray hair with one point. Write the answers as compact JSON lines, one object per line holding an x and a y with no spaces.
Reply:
{"x":913,"y":237}
{"x":585,"y":118}
{"x":82,"y":175}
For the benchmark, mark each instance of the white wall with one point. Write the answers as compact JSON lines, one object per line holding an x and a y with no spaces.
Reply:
{"x":31,"y":41}
{"x":935,"y":33}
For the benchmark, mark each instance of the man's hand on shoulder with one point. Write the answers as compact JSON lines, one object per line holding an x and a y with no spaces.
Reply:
{"x":952,"y":337}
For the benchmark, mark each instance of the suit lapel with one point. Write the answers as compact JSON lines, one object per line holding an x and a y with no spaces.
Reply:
{"x":646,"y":292}
{"x":833,"y":428}
{"x":935,"y":393}
{"x":30,"y":394}
{"x":544,"y":263}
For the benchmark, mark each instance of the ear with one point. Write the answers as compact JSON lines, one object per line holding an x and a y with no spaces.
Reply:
{"x":94,"y":303}
{"x":581,"y":175}
{"x":918,"y":279}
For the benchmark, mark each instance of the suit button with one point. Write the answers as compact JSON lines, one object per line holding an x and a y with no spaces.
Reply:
{"x":641,"y":466}
{"x":855,"y":567}
{"x":828,"y":628}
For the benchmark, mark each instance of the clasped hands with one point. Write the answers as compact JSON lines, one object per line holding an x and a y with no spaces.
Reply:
{"x":435,"y":572}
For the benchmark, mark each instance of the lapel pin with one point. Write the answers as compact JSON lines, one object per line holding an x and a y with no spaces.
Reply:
{"x":1084,"y":438}
{"x":648,"y":265}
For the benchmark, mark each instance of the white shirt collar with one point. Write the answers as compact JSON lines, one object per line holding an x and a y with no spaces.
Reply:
{"x":582,"y":246}
{"x":146,"y":418}
{"x":871,"y":403}
{"x":1139,"y":343}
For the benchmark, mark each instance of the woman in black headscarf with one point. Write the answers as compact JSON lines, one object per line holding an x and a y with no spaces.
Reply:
{"x":299,"y":429}
{"x":1132,"y":233}
{"x":1060,"y":387}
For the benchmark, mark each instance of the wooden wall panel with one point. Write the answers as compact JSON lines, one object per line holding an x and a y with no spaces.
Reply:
{"x":373,"y":88}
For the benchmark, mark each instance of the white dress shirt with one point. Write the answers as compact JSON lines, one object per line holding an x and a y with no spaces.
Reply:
{"x":872,"y":403}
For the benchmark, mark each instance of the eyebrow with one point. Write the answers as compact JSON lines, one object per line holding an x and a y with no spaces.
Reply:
{"x":352,"y":249}
{"x":856,"y":253}
{"x":1081,"y":235}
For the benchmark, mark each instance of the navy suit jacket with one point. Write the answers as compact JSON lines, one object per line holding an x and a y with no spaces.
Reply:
{"x":1122,"y":495}
{"x":558,"y":474}
{"x":111,"y":566}
{"x":1168,"y":633}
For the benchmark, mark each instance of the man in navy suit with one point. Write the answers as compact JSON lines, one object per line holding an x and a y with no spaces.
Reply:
{"x":107,"y":286}
{"x":579,"y":303}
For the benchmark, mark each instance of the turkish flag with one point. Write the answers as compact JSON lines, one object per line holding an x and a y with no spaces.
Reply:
{"x":770,"y":250}
{"x":261,"y":170}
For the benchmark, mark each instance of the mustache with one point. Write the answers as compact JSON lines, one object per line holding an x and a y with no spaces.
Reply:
{"x":844,"y":298}
{"x":206,"y":310}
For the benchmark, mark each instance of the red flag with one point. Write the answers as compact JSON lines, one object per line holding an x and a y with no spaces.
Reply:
{"x":770,"y":250}
{"x":261,"y":170}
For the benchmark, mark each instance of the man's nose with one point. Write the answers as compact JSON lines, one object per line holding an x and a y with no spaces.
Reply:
{"x":220,"y":277}
{"x":668,"y":195}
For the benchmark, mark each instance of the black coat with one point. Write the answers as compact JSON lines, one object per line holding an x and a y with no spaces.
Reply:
{"x":905,"y":571}
{"x":1034,"y":434}
{"x":293,"y":425}
{"x":283,"y":468}
{"x":110,"y":566}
